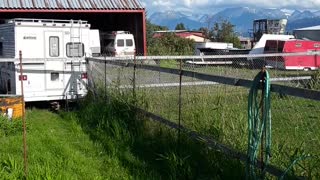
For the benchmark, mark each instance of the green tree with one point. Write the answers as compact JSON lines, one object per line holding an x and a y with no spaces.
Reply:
{"x":151,"y":28}
{"x":168,"y":43}
{"x":206,"y":32}
{"x":171,"y":44}
{"x":180,"y":26}
{"x":223,"y":31}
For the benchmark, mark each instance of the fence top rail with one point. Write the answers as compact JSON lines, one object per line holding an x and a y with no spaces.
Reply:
{"x":292,"y":91}
{"x":200,"y":57}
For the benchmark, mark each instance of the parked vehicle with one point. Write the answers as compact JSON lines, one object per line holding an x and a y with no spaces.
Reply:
{"x":53,"y":58}
{"x":259,"y":49}
{"x":118,"y":44}
{"x":292,"y":62}
{"x":216,"y":48}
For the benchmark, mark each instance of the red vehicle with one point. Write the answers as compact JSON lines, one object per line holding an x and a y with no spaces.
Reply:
{"x":306,"y":62}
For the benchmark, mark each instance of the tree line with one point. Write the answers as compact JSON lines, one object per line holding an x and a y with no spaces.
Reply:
{"x":171,"y":44}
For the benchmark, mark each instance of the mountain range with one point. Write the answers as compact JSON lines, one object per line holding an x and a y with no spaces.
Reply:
{"x":241,"y":17}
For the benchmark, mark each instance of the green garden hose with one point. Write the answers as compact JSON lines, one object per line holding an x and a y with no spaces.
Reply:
{"x":259,"y":125}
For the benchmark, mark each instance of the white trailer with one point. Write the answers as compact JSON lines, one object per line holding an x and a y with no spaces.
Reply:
{"x":53,"y":58}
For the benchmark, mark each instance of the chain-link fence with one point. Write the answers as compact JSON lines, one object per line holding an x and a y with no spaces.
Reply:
{"x":209,"y":95}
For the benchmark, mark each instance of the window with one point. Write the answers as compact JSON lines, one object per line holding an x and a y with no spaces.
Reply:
{"x":129,"y":42}
{"x":75,"y":49}
{"x":120,"y":42}
{"x":54,"y":76}
{"x":54,"y":46}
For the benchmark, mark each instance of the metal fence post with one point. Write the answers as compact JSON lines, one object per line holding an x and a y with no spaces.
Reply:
{"x":179,"y":115}
{"x":105,"y":77}
{"x":134,"y":80}
{"x":25,"y":160}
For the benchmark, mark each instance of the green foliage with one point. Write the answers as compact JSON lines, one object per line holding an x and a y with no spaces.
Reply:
{"x":180,"y":26}
{"x":220,"y":112}
{"x":10,"y":168}
{"x":314,"y":82}
{"x":109,"y":139}
{"x":151,"y":28}
{"x":170,"y":64}
{"x":170,"y":44}
{"x":222,"y":31}
{"x":10,"y":127}
{"x":207,"y":33}
{"x":57,"y":149}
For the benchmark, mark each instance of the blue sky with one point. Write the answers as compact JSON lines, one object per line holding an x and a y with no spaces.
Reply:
{"x":211,"y":6}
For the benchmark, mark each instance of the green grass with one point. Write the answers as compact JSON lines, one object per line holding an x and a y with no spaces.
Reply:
{"x":107,"y":139}
{"x":57,"y":149}
{"x":244,"y":72}
{"x":152,"y":143}
{"x":221,"y":113}
{"x":170,"y":64}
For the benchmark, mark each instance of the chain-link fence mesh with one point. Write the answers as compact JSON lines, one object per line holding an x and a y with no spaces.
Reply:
{"x":219,"y":110}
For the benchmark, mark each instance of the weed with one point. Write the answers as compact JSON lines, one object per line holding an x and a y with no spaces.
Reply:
{"x":9,"y":127}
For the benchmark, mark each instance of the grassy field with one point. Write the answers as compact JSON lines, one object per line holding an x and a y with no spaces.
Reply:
{"x":106,"y":140}
{"x":221,"y":113}
{"x":57,"y":149}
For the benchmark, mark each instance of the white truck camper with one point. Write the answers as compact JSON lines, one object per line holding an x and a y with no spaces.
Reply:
{"x":53,"y":58}
{"x":117,"y":44}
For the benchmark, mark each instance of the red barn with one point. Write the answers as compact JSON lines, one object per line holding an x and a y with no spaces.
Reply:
{"x":197,"y":36}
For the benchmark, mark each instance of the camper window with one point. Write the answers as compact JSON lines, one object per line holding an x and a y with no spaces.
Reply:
{"x":129,"y":42}
{"x":75,"y":49}
{"x":54,"y":46}
{"x":54,"y":76}
{"x":120,"y":42}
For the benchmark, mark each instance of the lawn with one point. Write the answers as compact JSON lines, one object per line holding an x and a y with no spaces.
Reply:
{"x":106,"y":140}
{"x":57,"y":149}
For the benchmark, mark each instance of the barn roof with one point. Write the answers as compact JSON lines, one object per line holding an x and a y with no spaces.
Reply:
{"x":72,"y":4}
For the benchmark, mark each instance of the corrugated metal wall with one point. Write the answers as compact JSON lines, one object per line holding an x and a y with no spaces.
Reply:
{"x":7,"y":38}
{"x":105,"y":15}
{"x":71,"y":4}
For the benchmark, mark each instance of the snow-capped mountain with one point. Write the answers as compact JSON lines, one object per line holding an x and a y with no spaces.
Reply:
{"x":301,"y":15}
{"x":241,"y":17}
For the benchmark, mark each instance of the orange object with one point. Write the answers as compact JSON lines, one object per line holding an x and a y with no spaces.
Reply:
{"x":11,"y":101}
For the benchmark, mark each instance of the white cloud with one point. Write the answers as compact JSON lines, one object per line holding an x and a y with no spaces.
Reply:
{"x":192,"y":3}
{"x":208,"y":5}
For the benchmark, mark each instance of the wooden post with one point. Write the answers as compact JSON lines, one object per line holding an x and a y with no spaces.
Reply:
{"x":25,"y":159}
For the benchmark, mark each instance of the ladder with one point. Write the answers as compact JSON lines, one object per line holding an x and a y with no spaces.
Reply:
{"x":75,"y":39}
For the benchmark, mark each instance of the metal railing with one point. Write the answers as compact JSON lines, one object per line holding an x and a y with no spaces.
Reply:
{"x":210,"y":99}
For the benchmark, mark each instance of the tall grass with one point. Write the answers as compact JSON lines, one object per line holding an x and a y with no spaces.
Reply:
{"x":57,"y":149}
{"x":221,"y":113}
{"x":105,"y":138}
{"x":141,"y":143}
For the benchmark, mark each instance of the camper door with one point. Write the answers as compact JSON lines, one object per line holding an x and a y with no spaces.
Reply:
{"x":54,"y":64}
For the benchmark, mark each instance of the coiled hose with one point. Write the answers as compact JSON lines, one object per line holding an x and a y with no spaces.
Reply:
{"x":259,"y":125}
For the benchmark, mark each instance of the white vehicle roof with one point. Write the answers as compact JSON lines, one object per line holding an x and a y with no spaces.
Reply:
{"x":259,"y":47}
{"x":48,"y":22}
